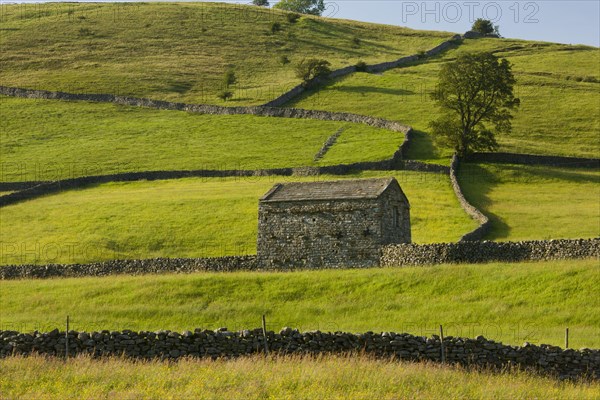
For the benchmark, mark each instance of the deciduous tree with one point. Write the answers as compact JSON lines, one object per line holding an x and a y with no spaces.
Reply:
{"x":474,"y":90}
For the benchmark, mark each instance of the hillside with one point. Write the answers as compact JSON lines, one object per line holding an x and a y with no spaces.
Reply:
{"x":180,"y":51}
{"x":557,"y":84}
{"x":49,"y":139}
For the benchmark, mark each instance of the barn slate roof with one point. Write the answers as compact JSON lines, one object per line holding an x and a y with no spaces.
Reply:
{"x":329,"y":190}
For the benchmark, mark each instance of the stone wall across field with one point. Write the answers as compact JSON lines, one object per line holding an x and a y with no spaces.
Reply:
{"x":483,"y":221}
{"x":168,"y":345}
{"x":481,"y":252}
{"x":130,"y":267}
{"x":375,"y":68}
{"x":391,"y":256}
{"x":208,"y":109}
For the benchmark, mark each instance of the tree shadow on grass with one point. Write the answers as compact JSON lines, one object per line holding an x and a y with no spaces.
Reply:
{"x":476,"y":183}
{"x":422,"y":147}
{"x":524,"y":173}
{"x":373,"y":89}
{"x":180,"y":87}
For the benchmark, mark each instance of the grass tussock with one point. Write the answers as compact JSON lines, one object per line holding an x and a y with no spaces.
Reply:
{"x":291,"y":377}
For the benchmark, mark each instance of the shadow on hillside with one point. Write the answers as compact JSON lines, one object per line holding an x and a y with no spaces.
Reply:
{"x":477,"y":183}
{"x":422,"y":147}
{"x":373,"y":89}
{"x":179,"y":87}
{"x":524,"y":173}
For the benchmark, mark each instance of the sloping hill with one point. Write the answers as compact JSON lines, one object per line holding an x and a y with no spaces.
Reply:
{"x":558,"y":86}
{"x":180,"y":51}
{"x":46,"y":140}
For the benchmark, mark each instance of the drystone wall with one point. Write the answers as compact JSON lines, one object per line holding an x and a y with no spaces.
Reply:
{"x":487,"y":251}
{"x":375,"y":68}
{"x":532,"y":159}
{"x":130,"y":267}
{"x":37,"y":189}
{"x":221,"y":343}
{"x":391,"y":256}
{"x":484,"y":222}
{"x":209,"y":109}
{"x":319,"y":234}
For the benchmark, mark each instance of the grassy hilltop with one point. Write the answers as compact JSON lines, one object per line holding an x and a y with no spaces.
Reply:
{"x":180,"y":51}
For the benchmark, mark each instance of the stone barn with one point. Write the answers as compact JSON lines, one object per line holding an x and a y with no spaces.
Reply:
{"x":328,"y":224}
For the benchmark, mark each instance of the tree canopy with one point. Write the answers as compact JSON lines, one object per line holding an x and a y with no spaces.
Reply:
{"x":261,"y":3}
{"x":474,"y":90}
{"x":314,"y":7}
{"x":485,"y":27}
{"x":307,"y":70}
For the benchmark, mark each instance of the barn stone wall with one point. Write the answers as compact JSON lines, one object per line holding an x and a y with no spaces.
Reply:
{"x":395,"y":224}
{"x":309,"y":234}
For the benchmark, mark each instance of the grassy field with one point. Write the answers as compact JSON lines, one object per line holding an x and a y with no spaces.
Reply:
{"x":512,"y":303}
{"x":193,"y":217}
{"x":49,"y":140}
{"x":557,"y":85}
{"x":527,"y":202}
{"x":256,"y":377}
{"x":180,"y":51}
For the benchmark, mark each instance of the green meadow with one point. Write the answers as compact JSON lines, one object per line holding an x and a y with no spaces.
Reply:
{"x":180,"y":51}
{"x":330,"y":377}
{"x":557,"y":85}
{"x":193,"y":217}
{"x":50,"y":140}
{"x":534,"y":202}
{"x":508,"y":302}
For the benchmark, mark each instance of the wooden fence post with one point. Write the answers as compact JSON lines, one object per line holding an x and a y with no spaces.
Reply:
{"x":442,"y":344}
{"x":264,"y":327}
{"x":67,"y":340}
{"x":567,"y":338}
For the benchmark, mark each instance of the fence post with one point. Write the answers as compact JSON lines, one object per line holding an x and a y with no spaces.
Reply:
{"x":567,"y":338}
{"x":442,"y":344}
{"x":67,"y":340}
{"x":264,"y":327}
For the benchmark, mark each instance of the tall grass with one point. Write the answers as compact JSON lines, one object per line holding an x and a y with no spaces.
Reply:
{"x":512,"y":303}
{"x":328,"y":377}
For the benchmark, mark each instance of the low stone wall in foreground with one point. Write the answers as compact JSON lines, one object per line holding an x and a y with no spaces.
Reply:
{"x":479,"y":352}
